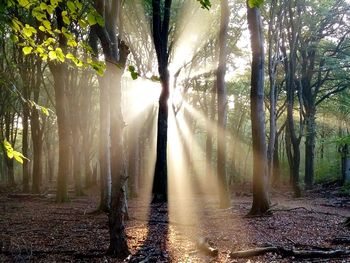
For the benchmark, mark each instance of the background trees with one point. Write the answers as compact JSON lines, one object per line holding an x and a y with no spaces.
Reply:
{"x":62,"y":101}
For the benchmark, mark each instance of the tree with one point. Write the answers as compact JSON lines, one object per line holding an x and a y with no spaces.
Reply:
{"x":115,"y":53}
{"x":160,"y":27}
{"x":222,"y":106}
{"x":322,"y":62}
{"x":260,"y":195}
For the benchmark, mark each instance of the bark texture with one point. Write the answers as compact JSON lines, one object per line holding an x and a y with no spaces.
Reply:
{"x":260,"y":193}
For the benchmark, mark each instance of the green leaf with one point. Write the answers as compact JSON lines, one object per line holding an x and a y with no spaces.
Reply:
{"x":100,"y":20}
{"x":134,"y":75}
{"x":44,"y":110}
{"x":7,"y":145}
{"x":78,"y":5}
{"x":72,"y":43}
{"x":27,"y":50}
{"x":99,"y":67}
{"x":16,"y":25}
{"x":43,"y":6}
{"x":91,"y":19}
{"x":18,"y":157}
{"x":71,"y":6}
{"x":205,"y":4}
{"x":42,"y":28}
{"x":255,"y":3}
{"x":8,"y":149}
{"x":24,"y":3}
{"x":54,"y":2}
{"x":47,"y":24}
{"x":59,"y":54}
{"x":155,"y":78}
{"x":40,"y":50}
{"x":52,"y":55}
{"x":82,"y":23}
{"x":38,"y":13}
{"x":29,"y":30}
{"x":131,"y":68}
{"x":70,"y":56}
{"x":14,"y":38}
{"x":66,"y":20}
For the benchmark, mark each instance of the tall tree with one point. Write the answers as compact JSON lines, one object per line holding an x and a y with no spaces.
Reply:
{"x":290,"y":59}
{"x":115,"y":53}
{"x":160,"y":27}
{"x":222,"y":106}
{"x":260,"y":193}
{"x":322,"y":59}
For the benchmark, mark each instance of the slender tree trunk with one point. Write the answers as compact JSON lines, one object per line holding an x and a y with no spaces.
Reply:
{"x":115,"y":53}
{"x":209,"y":138}
{"x":37,"y":138}
{"x":276,"y":171}
{"x":310,"y":146}
{"x":224,"y":197}
{"x":260,"y":194}
{"x":25,"y":167}
{"x":77,"y":160}
{"x":59,"y":73}
{"x":10,"y":172}
{"x":50,"y":161}
{"x":134,"y":159}
{"x":118,"y":240}
{"x":272,"y":68}
{"x":104,"y":146}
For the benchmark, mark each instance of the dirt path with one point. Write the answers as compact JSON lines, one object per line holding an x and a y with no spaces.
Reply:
{"x":39,"y":230}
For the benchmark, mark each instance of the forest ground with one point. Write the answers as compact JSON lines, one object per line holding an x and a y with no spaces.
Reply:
{"x":36,"y":229}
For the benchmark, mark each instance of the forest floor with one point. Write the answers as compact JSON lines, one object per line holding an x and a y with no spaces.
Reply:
{"x":36,"y":229}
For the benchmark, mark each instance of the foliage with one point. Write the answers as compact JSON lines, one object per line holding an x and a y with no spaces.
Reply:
{"x":327,"y":171}
{"x":11,"y":153}
{"x":255,"y":3}
{"x":205,"y":4}
{"x":345,"y":190}
{"x":35,"y":30}
{"x":134,"y":74}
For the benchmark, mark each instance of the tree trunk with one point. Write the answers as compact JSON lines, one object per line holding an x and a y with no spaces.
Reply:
{"x":160,"y":38}
{"x":118,"y":240}
{"x":104,"y":146}
{"x":160,"y":181}
{"x":77,"y":160}
{"x":50,"y":161}
{"x":224,"y":197}
{"x":292,"y":140}
{"x":260,"y":193}
{"x":276,"y":172}
{"x":310,"y":146}
{"x":209,"y":138}
{"x":25,"y":167}
{"x":59,"y":73}
{"x":115,"y":53}
{"x":134,"y":159}
{"x":10,"y":173}
{"x":37,"y":138}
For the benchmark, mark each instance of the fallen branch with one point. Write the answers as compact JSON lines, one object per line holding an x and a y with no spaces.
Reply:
{"x":341,"y":240}
{"x":253,"y":252}
{"x":290,"y":253}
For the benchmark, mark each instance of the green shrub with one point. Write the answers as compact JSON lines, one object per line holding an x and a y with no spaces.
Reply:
{"x":327,"y":171}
